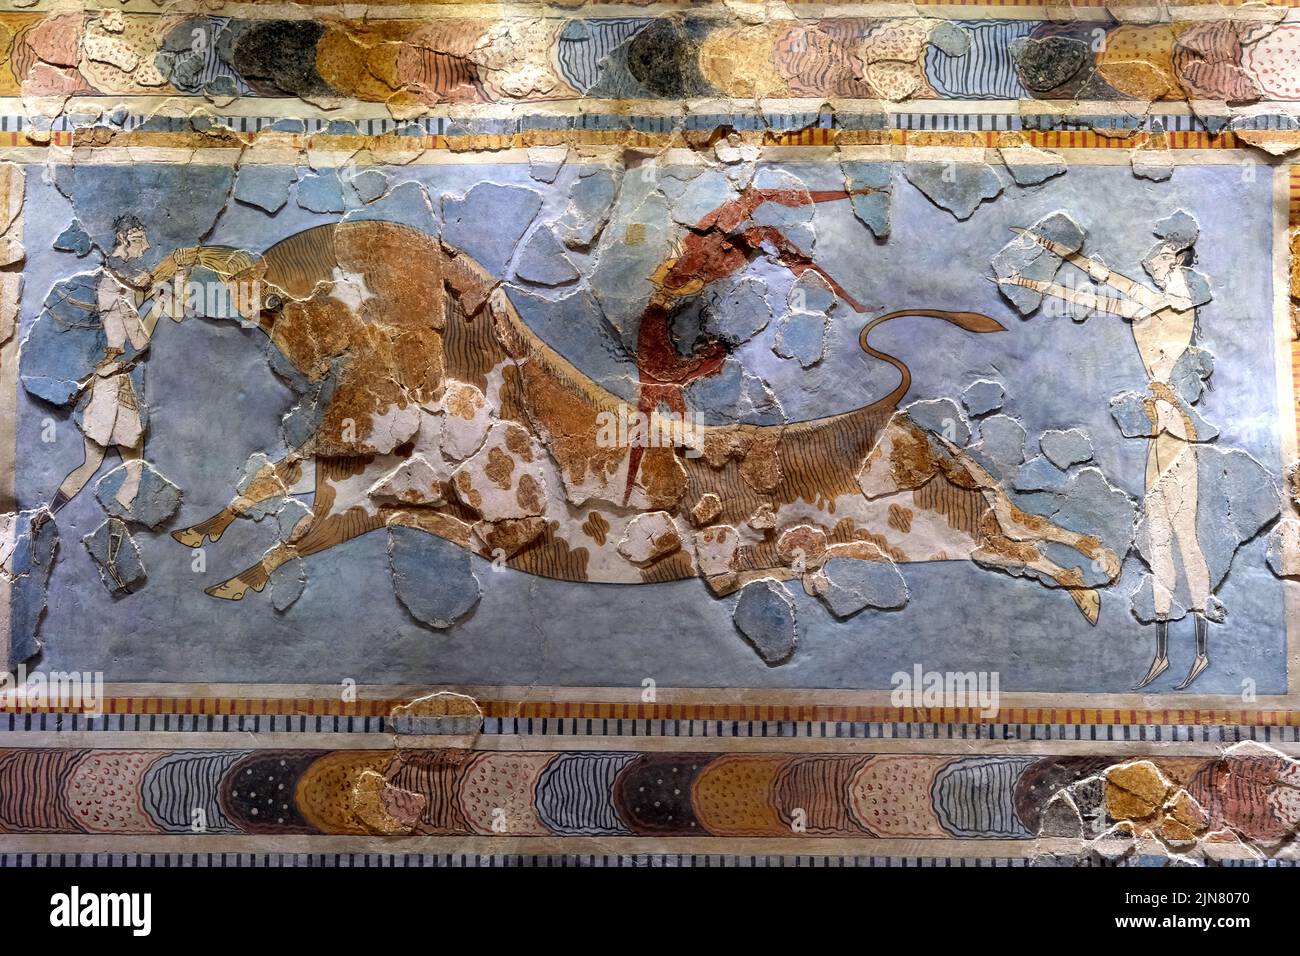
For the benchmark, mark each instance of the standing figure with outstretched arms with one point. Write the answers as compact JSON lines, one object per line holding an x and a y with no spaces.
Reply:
{"x":1163,"y":322}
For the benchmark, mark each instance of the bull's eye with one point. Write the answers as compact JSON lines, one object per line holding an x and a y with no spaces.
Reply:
{"x":273,"y":303}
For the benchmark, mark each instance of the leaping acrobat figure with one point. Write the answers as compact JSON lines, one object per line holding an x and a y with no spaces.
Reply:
{"x":719,"y":245}
{"x":1163,"y":322}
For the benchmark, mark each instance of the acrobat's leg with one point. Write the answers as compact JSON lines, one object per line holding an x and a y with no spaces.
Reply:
{"x":291,"y":474}
{"x":1016,"y":525}
{"x":1161,"y":661}
{"x":1160,"y":528}
{"x":1182,"y":484}
{"x":1018,"y":557}
{"x":77,"y":478}
{"x":133,"y":460}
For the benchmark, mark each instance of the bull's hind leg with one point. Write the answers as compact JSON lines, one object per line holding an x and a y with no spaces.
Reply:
{"x":281,"y":477}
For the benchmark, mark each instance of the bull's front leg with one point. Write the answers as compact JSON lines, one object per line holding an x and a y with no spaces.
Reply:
{"x":906,"y":456}
{"x":1017,"y":525}
{"x":293,"y":473}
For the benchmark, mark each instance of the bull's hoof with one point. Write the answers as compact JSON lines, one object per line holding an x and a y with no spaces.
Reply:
{"x":189,"y":537}
{"x":212,"y":529}
{"x":232,"y":590}
{"x":1088,"y":601}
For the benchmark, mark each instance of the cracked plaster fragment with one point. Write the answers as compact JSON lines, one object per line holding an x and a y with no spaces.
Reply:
{"x":509,"y":209}
{"x":802,"y":548}
{"x":506,"y":538}
{"x":739,"y":312}
{"x":983,"y":397}
{"x":467,"y":417}
{"x":442,"y":712}
{"x":545,"y":162}
{"x":715,"y":549}
{"x":74,"y":239}
{"x":369,"y":185}
{"x":1048,"y":62}
{"x":543,"y":262}
{"x":137,"y":492}
{"x":321,"y":192}
{"x":1245,"y":804}
{"x":940,"y":416}
{"x":1025,"y":258}
{"x":1060,"y":817}
{"x":706,"y":510}
{"x":1039,"y":474}
{"x":1001,"y":445}
{"x":1066,"y":447}
{"x":504,"y":478}
{"x":801,"y":336}
{"x":116,"y":555}
{"x":266,"y":187}
{"x":1151,"y":158}
{"x":765,"y":615}
{"x":287,"y":583}
{"x":650,"y":537}
{"x":849,"y":585}
{"x":1029,"y":165}
{"x":289,"y":517}
{"x":432,"y":578}
{"x":950,"y":37}
{"x":29,"y":542}
{"x":590,"y":203}
{"x":416,"y":481}
{"x":873,"y":208}
{"x":1283,"y":553}
{"x":958,"y":187}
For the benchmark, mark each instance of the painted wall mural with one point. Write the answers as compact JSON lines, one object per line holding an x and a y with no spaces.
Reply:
{"x":507,"y":392}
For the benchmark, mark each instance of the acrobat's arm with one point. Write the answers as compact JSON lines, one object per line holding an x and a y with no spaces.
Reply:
{"x":1089,"y":300}
{"x":1100,"y":272}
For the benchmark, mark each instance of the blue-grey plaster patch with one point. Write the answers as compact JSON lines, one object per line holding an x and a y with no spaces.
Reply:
{"x":154,"y":502}
{"x":432,"y":578}
{"x":957,"y":187}
{"x":851,"y":585}
{"x":982,"y":397}
{"x":266,"y":187}
{"x":117,"y":556}
{"x":801,"y":336}
{"x":1066,"y":447}
{"x":509,"y":210}
{"x":543,"y":262}
{"x":764,"y":614}
{"x":942,"y":417}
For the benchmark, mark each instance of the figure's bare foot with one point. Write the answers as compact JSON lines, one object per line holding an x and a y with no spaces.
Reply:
{"x":1198,"y":665}
{"x":1158,"y":667}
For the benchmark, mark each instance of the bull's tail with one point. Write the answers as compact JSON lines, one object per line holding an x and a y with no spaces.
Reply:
{"x":970,"y":321}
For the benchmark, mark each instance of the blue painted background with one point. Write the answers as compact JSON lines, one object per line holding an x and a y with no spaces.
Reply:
{"x":214,"y":401}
